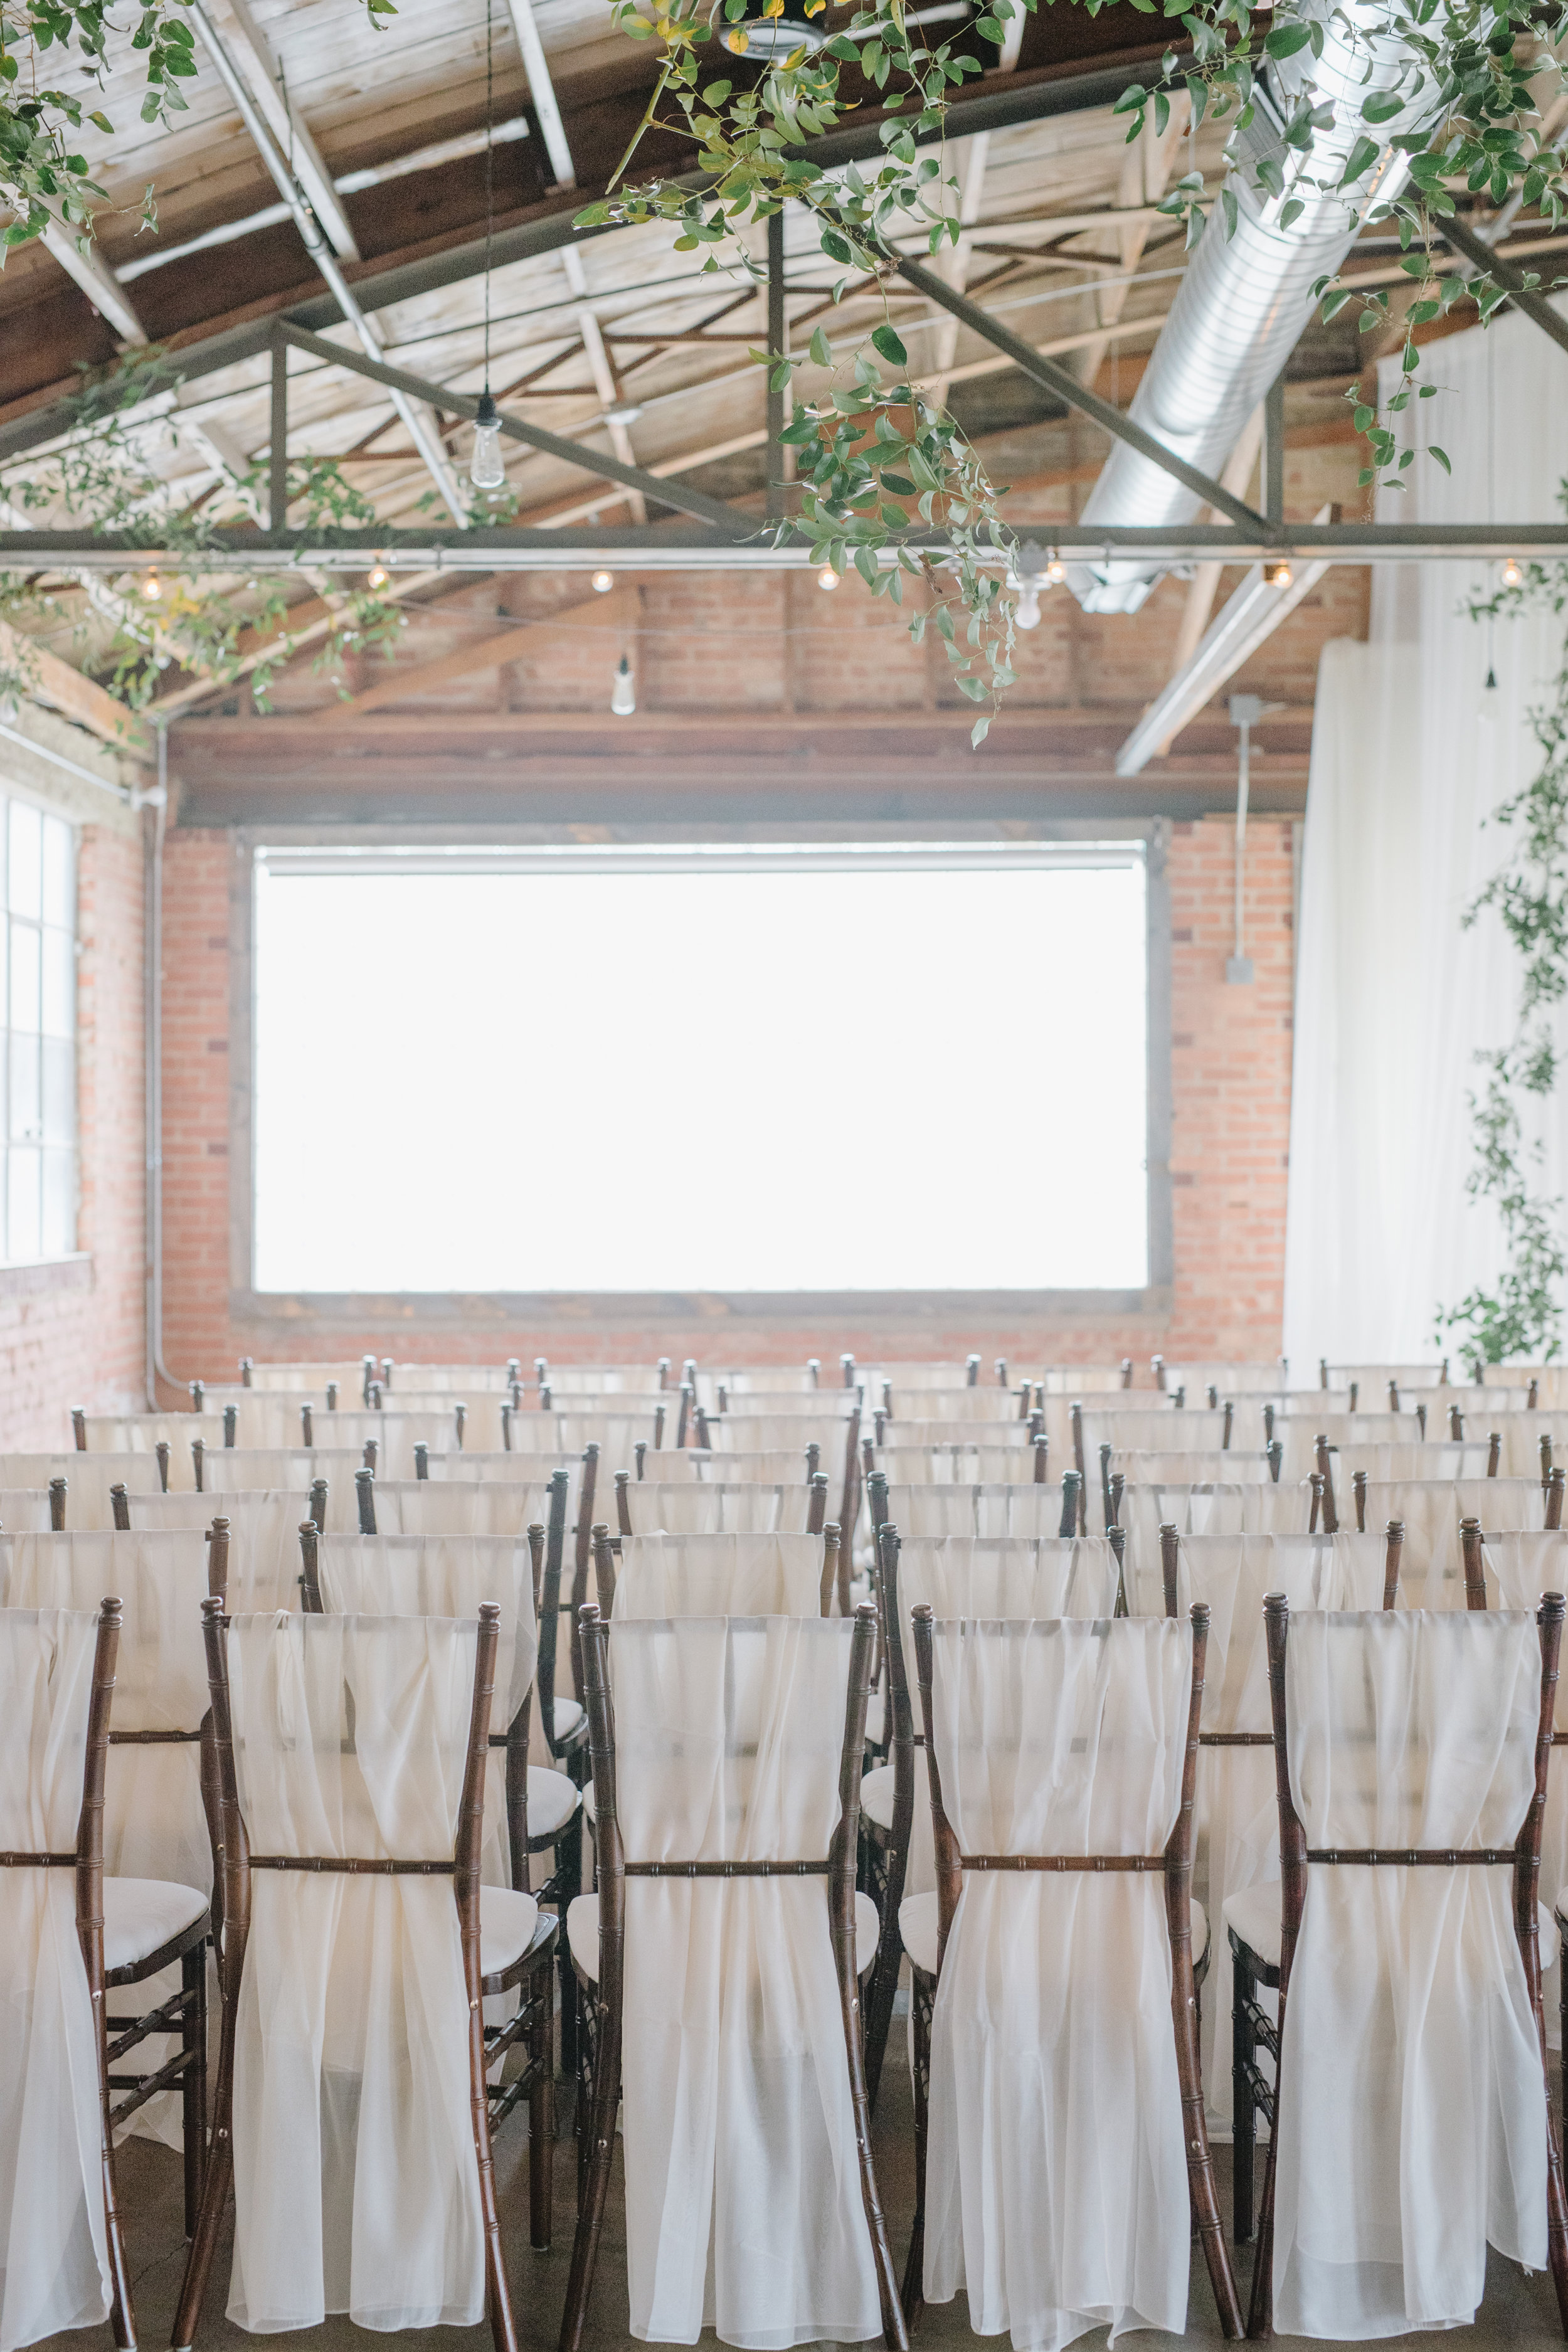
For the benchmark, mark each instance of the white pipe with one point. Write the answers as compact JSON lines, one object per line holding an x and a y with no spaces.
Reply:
{"x":153,"y":1082}
{"x":1246,"y":298}
{"x":72,"y":767}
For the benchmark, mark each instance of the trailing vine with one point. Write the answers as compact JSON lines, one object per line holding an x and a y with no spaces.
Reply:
{"x":1522,"y":1315}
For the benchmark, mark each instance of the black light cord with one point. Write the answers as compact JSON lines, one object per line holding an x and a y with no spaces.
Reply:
{"x":490,"y":169}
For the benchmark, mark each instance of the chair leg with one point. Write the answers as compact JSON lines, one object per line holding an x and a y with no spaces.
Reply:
{"x":215,"y":2196}
{"x":568,"y":1883}
{"x":595,"y":2177}
{"x":1562,"y":2055}
{"x":193,"y":2081}
{"x":122,"y":2308}
{"x":1244,"y":2124}
{"x":921,"y":1993}
{"x":880,"y":1993}
{"x":542,"y":2107}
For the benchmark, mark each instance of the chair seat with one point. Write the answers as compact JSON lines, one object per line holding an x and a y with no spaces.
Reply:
{"x":583,"y":1933}
{"x":141,"y":1915}
{"x":876,"y":1794}
{"x":508,"y":1918}
{"x":568,"y":1716}
{"x":552,"y":1801}
{"x":917,"y":1931}
{"x":1254,"y":1916}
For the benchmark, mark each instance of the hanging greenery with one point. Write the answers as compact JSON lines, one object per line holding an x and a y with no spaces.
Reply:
{"x":1522,"y":1315}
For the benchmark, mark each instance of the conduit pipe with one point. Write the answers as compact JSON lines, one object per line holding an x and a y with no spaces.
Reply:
{"x":1247,"y":298}
{"x":152,"y":1079}
{"x":420,"y":426}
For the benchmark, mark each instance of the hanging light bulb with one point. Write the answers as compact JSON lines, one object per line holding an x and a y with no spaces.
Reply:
{"x":1027,"y":612}
{"x":603,"y":582}
{"x":827,"y":577}
{"x":1277,"y":575}
{"x":152,"y":588}
{"x":1056,"y":570}
{"x":378,"y":575}
{"x":1511,"y":574}
{"x":623,"y":692}
{"x":485,"y":469}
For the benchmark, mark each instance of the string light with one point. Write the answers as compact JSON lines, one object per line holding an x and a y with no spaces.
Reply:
{"x":1277,"y":575}
{"x":152,"y":588}
{"x":378,"y":575}
{"x":1511,"y":574}
{"x":486,"y":470}
{"x":1056,"y":570}
{"x":603,"y":582}
{"x":827,"y":577}
{"x":623,"y":692}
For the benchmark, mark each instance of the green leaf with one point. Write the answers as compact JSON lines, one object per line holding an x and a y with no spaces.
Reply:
{"x":1362,"y":157}
{"x":1381,"y":106}
{"x":1286,"y":39}
{"x":1441,"y":455}
{"x":981,"y":727}
{"x":821,"y":348}
{"x":888,"y":343}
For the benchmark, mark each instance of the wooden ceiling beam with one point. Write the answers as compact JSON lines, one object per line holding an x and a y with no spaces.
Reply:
{"x":75,"y":696}
{"x":489,"y":653}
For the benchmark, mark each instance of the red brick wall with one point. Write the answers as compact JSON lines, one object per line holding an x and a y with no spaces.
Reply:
{"x":74,"y":1335}
{"x":1231,"y":1085}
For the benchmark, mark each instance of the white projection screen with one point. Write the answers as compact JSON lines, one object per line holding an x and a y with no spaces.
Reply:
{"x":907,"y":1068}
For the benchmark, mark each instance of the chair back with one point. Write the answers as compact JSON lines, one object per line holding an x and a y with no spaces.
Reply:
{"x":292,"y":1470}
{"x":988,"y":1511}
{"x":262,"y":1525}
{"x":57,"y":1682}
{"x":778,"y":1467}
{"x":961,"y":1462}
{"x":359,"y":2130}
{"x":915,"y":1405}
{"x":726,"y":1786}
{"x":1007,"y":1576}
{"x":452,"y":1506}
{"x":155,"y":1824}
{"x":712,"y":1506}
{"x":90,"y":1480}
{"x":671,"y":1576}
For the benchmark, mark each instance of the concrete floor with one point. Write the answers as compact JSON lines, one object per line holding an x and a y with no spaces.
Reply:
{"x":1518,"y":2312}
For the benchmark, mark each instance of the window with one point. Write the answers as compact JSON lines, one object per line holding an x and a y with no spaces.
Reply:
{"x":867,"y":1067}
{"x":37,"y":1027}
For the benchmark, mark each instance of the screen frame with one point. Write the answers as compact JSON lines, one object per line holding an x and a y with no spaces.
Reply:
{"x":324,"y":1316}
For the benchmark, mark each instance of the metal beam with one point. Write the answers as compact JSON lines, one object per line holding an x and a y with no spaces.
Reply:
{"x":1067,"y":388}
{"x":1274,"y":450}
{"x":778,"y":344}
{"x":1476,"y":249}
{"x":686,"y":547}
{"x":421,"y":429}
{"x":542,"y":91}
{"x":248,"y":45}
{"x":87,"y":265}
{"x":553,"y":445}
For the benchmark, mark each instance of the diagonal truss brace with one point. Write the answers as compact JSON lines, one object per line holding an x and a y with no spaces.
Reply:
{"x":669,"y":493}
{"x":1534,"y":305}
{"x":1052,"y":378}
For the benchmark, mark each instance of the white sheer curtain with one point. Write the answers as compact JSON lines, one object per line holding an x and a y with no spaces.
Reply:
{"x":719,"y":1576}
{"x":356,"y":2187}
{"x":1410,"y":755}
{"x":743,"y":2203}
{"x":54,"y":2259}
{"x":1057,"y":2183}
{"x":1411,"y":2108}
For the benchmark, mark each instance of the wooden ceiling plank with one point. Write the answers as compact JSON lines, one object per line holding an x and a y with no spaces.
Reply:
{"x":54,"y":681}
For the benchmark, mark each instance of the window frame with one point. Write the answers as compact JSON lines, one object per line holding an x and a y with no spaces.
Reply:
{"x":60,"y":1250}
{"x":324,"y":1317}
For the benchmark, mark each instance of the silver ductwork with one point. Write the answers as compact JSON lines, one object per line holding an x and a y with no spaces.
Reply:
{"x":1247,"y":298}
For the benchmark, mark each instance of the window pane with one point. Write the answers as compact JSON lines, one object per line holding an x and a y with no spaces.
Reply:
{"x":60,"y":1090}
{"x":27,"y":1123}
{"x":59,"y":984}
{"x":59,"y":1203}
{"x":27,"y":859}
{"x":25,"y":993}
{"x":60,"y":896}
{"x":23,"y":1233}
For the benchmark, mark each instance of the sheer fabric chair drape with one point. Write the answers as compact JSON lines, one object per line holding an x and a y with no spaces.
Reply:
{"x":1056,"y":2182}
{"x":718,"y":1575}
{"x":987,"y":1511}
{"x":290,"y":1470}
{"x":1432,"y":1569}
{"x":54,"y":2259}
{"x":448,"y":1577}
{"x":744,"y":2200}
{"x":1412,"y":2106}
{"x":710,"y":1506}
{"x":453,"y":1506}
{"x":87,"y":1476}
{"x":263,"y":1537}
{"x":355,"y":2182}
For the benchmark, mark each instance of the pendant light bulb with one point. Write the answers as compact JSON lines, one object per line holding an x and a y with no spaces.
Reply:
{"x":827,"y":577}
{"x":1056,"y":570}
{"x":151,"y":589}
{"x":623,"y":692}
{"x":485,"y":469}
{"x":602,"y":582}
{"x":378,"y":575}
{"x":1511,"y":574}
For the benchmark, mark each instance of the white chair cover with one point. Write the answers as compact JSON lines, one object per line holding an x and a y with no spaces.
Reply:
{"x":465,"y":1381}
{"x":1437,"y":1458}
{"x":962,"y":1403}
{"x":1521,"y":1433}
{"x":710,"y":1506}
{"x":1056,"y":2173}
{"x":142,"y":1433}
{"x":54,"y":2256}
{"x":311,"y":1379}
{"x":355,"y":2183}
{"x":1411,"y":2122}
{"x":828,"y":1405}
{"x":522,"y":1468}
{"x":1352,"y":1436}
{"x":767,"y":1433}
{"x":964,"y":1464}
{"x":87,"y":1476}
{"x":263,"y":1537}
{"x":286,"y":1470}
{"x":568,"y":1380}
{"x":1264,"y":1381}
{"x":482,"y":1412}
{"x":779,"y":1466}
{"x":1194,"y":1431}
{"x":743,"y":2201}
{"x":448,"y":1576}
{"x":24,"y":1507}
{"x":1375,"y":1377}
{"x":988,"y":1511}
{"x":460,"y":1506}
{"x":1004,"y":1577}
{"x":719,"y":1576}
{"x":1219,"y":1507}
{"x":396,"y":1435}
{"x":1432,"y":1571}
